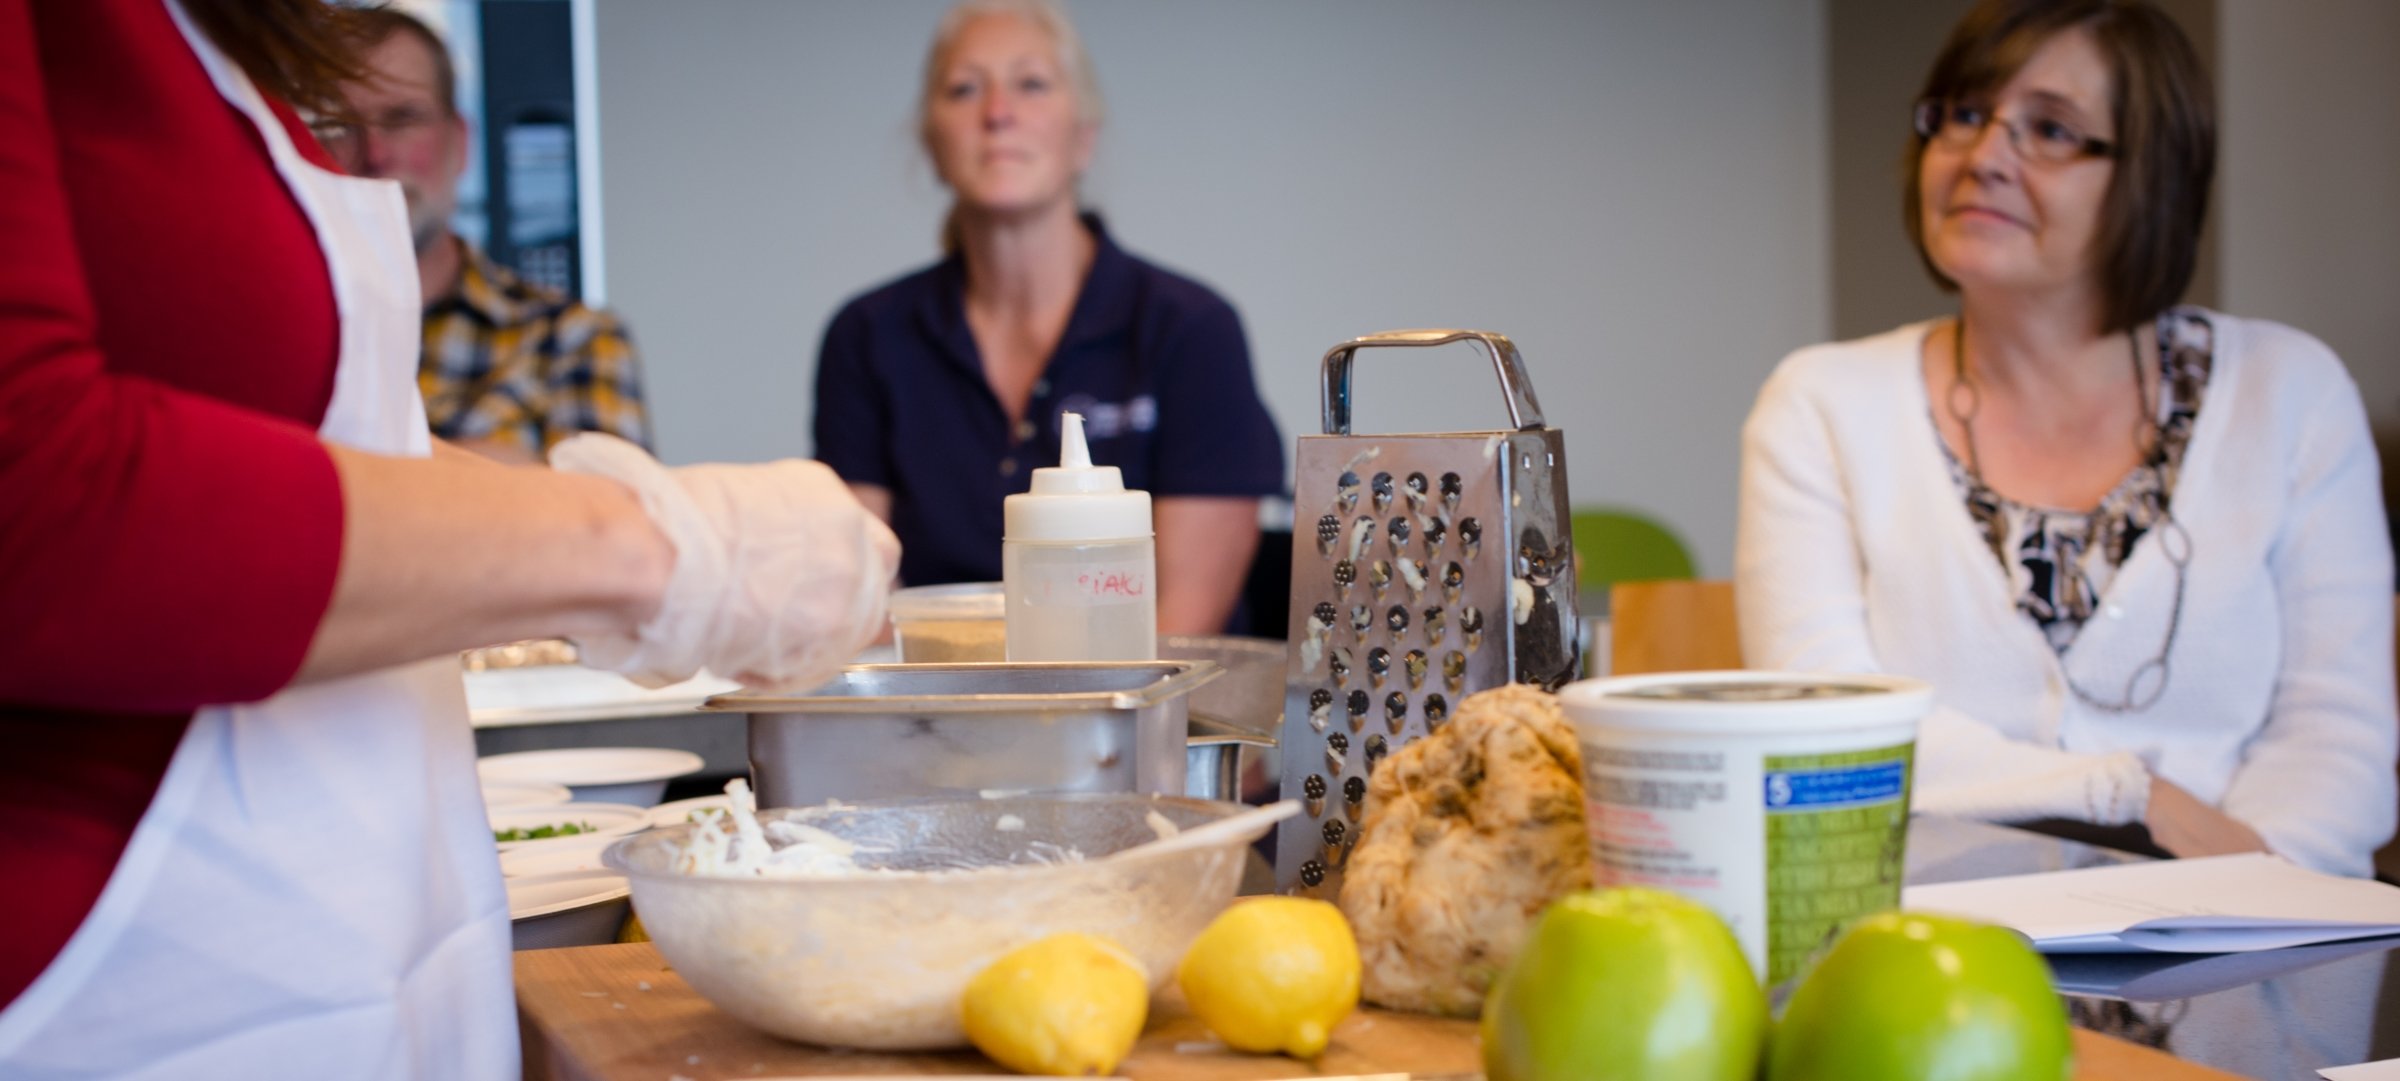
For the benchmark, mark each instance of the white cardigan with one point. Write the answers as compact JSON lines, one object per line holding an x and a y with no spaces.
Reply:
{"x":1856,"y":554}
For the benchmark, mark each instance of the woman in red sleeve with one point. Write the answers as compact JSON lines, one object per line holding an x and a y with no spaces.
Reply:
{"x":241,"y":823}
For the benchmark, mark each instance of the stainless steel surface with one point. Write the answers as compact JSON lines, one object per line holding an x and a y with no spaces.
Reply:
{"x":1249,"y":701}
{"x":920,"y":730}
{"x":1425,"y":567}
{"x":989,"y":688}
{"x":1523,"y":410}
{"x":1217,"y":757}
{"x":1250,"y":695}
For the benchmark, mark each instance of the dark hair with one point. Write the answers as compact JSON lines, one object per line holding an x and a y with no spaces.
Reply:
{"x":376,"y":25}
{"x":2166,"y":137}
{"x":299,"y":51}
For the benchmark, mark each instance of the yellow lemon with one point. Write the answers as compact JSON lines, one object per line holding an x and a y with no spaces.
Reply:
{"x":1273,"y":974}
{"x":1070,"y":1004}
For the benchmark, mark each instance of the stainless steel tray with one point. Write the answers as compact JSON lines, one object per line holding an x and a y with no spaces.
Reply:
{"x":927,"y":729}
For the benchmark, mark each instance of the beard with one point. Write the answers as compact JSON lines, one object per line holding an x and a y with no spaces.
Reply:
{"x":427,"y":224}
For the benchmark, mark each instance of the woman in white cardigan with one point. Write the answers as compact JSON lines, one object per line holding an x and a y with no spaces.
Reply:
{"x":2137,"y":549}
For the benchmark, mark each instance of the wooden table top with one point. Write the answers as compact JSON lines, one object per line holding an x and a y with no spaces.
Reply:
{"x":619,"y":1013}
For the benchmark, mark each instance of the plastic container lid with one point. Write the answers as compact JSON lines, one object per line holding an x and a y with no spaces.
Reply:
{"x":1740,"y":702}
{"x":1076,"y":500}
{"x":964,"y":600}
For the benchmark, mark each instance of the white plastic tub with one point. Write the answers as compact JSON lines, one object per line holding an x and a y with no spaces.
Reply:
{"x":1778,"y":799}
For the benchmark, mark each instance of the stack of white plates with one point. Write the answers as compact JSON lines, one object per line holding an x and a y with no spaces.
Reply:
{"x":634,"y":775}
{"x":559,"y":893}
{"x":568,"y":854}
{"x":594,"y":821}
{"x":498,"y":794}
{"x":553,"y":693}
{"x":567,"y":908}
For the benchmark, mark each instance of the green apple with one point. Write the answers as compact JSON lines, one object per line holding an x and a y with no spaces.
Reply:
{"x":1916,"y":996}
{"x":1625,"y":985}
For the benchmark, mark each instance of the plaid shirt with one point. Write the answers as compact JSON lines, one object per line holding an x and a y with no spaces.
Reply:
{"x":506,"y":359}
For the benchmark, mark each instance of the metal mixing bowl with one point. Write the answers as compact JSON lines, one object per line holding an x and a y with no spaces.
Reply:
{"x":878,"y":960}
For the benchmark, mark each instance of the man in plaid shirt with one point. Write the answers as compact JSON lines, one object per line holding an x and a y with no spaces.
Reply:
{"x":509,"y":367}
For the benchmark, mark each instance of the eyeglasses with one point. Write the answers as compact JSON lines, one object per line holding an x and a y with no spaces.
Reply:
{"x":343,"y":136}
{"x":2041,"y":138}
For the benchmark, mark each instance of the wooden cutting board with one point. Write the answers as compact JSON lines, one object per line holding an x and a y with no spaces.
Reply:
{"x":618,"y":1013}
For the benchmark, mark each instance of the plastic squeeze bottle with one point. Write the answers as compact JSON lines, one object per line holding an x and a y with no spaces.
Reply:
{"x":1077,"y":562}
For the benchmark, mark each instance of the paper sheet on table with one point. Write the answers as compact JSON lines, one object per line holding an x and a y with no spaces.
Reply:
{"x":2165,"y":977}
{"x":2220,"y":904}
{"x":2387,"y":1070}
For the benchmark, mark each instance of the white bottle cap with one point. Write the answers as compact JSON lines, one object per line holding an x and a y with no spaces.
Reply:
{"x":1076,"y":500}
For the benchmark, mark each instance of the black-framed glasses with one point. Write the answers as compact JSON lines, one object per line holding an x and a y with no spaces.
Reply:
{"x":2035,"y":137}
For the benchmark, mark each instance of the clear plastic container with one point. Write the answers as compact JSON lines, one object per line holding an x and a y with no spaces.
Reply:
{"x":952,"y":624}
{"x":1081,"y":602}
{"x":1077,"y":562}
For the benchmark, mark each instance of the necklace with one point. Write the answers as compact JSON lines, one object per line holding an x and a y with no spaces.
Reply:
{"x":2149,"y":680}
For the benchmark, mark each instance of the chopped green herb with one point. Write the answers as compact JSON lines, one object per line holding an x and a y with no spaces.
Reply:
{"x":562,"y":829}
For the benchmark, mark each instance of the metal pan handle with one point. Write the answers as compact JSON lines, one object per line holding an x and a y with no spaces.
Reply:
{"x":1523,"y":410}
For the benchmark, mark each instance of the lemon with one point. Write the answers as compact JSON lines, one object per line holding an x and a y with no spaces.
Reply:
{"x":1273,"y":974}
{"x":1070,"y":1004}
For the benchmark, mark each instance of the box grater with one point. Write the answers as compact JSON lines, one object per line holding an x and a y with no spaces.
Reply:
{"x":1425,"y":567}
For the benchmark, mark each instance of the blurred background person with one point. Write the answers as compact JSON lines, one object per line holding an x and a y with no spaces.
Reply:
{"x":509,"y":368}
{"x":2137,"y":548}
{"x":938,"y":394}
{"x":240,"y":781}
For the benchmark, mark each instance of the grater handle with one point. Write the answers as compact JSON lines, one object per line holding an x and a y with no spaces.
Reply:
{"x":1523,"y":411}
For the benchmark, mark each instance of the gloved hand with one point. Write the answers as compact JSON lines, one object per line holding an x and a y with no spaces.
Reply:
{"x":780,"y":575}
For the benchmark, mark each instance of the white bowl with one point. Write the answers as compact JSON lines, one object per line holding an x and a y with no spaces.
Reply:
{"x":635,"y":775}
{"x":877,"y":961}
{"x":606,"y":820}
{"x":564,"y":854}
{"x":498,"y":794}
{"x":575,"y":908}
{"x":550,"y":693}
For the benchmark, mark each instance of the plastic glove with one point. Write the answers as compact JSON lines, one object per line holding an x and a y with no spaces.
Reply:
{"x":780,"y":575}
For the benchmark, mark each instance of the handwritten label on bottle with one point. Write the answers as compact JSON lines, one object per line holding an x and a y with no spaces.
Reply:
{"x":1091,"y":585}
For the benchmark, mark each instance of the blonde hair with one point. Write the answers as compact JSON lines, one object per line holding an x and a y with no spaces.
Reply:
{"x":1073,"y":62}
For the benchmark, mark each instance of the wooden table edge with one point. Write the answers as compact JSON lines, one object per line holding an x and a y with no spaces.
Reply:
{"x":572,"y":1002}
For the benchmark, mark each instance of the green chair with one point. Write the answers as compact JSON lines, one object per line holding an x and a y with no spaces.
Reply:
{"x":1613,"y":544}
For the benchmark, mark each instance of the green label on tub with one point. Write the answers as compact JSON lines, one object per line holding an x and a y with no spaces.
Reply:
{"x":1836,"y":824}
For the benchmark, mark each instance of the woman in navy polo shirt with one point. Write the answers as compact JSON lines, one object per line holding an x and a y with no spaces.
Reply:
{"x":939,"y":394}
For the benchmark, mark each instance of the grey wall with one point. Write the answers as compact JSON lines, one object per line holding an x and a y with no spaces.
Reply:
{"x":2311,"y":183}
{"x":1634,"y":191}
{"x":1877,"y":52}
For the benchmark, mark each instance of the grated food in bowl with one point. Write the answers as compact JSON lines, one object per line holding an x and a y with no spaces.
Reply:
{"x":781,"y":848}
{"x":867,"y":940}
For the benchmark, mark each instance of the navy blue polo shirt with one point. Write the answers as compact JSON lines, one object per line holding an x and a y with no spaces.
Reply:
{"x":1156,"y":363}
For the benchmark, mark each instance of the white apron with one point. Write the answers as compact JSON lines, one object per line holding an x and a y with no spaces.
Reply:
{"x":312,"y":893}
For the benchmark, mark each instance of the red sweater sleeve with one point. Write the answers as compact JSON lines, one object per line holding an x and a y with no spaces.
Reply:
{"x":162,"y":547}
